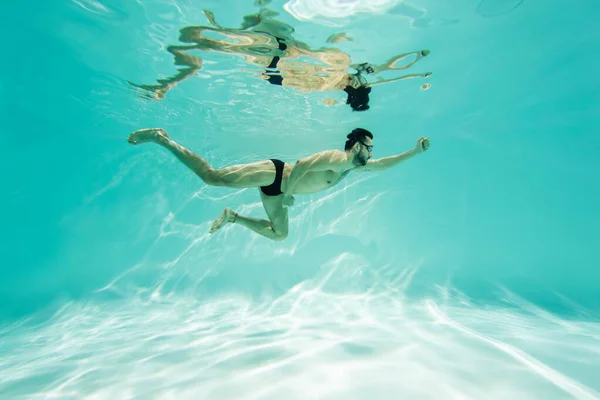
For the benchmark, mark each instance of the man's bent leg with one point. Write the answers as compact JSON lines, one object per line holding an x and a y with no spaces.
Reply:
{"x":278,"y":223}
{"x":277,"y":226}
{"x":260,"y":226}
{"x":261,"y":173}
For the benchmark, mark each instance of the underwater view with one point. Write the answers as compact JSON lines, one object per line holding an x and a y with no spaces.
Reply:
{"x":300,"y":199}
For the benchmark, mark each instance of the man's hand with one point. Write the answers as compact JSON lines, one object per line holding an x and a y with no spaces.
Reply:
{"x":287,"y":201}
{"x":422,"y":144}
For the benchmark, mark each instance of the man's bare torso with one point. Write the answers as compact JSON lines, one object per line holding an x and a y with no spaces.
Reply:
{"x":314,"y":181}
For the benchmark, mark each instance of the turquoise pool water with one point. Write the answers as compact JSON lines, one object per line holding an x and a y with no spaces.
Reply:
{"x":470,"y":271}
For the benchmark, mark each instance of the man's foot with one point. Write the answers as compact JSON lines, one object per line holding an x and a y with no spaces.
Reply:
{"x":147,"y":135}
{"x":226,"y":216}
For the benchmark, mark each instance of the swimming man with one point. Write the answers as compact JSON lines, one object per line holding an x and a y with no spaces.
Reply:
{"x":279,"y":181}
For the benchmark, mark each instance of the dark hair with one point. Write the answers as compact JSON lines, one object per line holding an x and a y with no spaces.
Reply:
{"x":358,"y":98}
{"x":356,"y":135}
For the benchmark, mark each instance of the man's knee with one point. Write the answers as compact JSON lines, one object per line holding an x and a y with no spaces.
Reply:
{"x":280,"y":234}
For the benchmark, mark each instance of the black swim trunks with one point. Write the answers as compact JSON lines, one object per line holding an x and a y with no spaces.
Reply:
{"x":274,"y":189}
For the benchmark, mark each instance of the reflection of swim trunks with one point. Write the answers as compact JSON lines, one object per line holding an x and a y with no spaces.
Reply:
{"x":276,"y":79}
{"x":274,"y":189}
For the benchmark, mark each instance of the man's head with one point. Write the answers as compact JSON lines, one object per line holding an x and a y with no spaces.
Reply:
{"x":360,"y":145}
{"x":358,"y":88}
{"x":358,"y":97}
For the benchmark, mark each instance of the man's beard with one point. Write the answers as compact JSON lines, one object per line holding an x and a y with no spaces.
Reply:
{"x":360,"y":159}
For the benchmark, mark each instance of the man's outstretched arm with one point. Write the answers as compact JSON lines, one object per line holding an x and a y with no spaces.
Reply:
{"x":388,"y":162}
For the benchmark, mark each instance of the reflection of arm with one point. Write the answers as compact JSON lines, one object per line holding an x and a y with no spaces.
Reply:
{"x":164,"y":85}
{"x":391,"y":63}
{"x":382,"y":81}
{"x":193,"y":63}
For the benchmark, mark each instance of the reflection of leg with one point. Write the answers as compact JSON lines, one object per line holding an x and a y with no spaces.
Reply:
{"x":164,"y":85}
{"x":184,"y":59}
{"x":193,"y":63}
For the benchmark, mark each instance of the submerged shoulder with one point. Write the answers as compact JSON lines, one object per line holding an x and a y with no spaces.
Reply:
{"x":328,"y":155}
{"x":325,"y":160}
{"x":335,"y":158}
{"x":334,"y":154}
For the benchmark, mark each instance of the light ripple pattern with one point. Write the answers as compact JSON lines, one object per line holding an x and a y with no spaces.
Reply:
{"x":306,"y":10}
{"x":308,"y":343}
